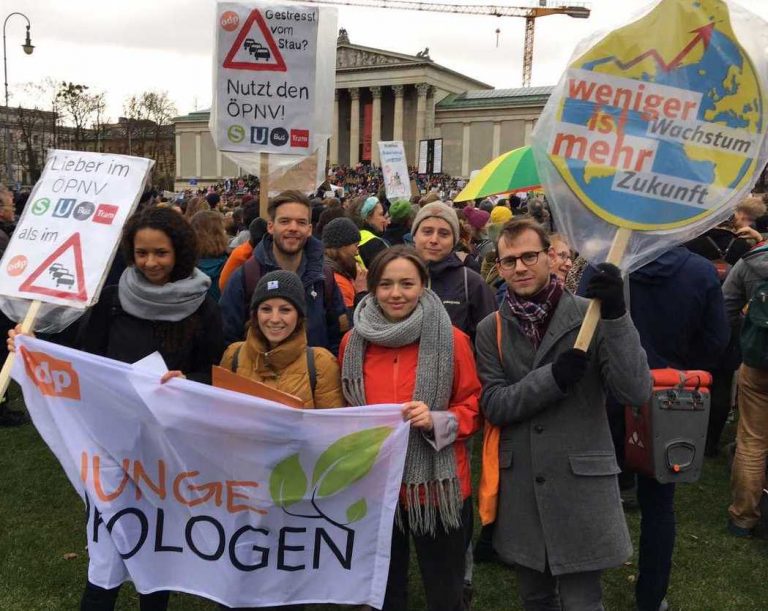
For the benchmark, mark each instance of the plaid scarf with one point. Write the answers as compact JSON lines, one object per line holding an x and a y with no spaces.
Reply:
{"x":533,"y":314}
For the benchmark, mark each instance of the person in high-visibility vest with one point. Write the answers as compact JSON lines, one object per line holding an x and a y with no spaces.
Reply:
{"x":374,"y":221}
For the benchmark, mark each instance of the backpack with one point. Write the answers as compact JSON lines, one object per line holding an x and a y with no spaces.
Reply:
{"x":754,"y":329}
{"x":311,"y":370}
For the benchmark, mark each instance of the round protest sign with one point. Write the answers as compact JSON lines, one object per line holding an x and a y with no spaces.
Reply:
{"x":656,"y":127}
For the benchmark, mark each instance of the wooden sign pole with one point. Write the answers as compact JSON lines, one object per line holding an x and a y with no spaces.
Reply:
{"x":263,"y":185}
{"x":26,"y":327}
{"x":615,"y":255}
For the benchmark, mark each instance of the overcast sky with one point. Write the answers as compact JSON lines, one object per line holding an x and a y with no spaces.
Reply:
{"x":124,"y":47}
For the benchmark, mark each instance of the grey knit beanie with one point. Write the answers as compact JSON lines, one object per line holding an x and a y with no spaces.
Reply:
{"x":340,"y":232}
{"x":283,"y":285}
{"x":438,"y":210}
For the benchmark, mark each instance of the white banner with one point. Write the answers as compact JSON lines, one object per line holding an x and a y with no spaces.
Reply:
{"x":397,"y":182}
{"x":195,"y":489}
{"x":81,"y":200}
{"x":265,"y":77}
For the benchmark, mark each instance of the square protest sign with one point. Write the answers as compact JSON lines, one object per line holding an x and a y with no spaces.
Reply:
{"x":64,"y":242}
{"x":265,"y":88}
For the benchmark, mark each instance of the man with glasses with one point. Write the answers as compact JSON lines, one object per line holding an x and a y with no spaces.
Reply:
{"x":559,"y":518}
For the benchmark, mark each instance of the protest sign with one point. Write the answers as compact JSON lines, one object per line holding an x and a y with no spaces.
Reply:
{"x":265,"y":77}
{"x":252,"y":504}
{"x":655,"y":130}
{"x":395,"y":170}
{"x":82,"y":199}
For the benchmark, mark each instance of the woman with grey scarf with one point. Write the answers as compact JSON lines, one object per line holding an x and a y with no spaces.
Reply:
{"x":404,"y":350}
{"x":160,"y":304}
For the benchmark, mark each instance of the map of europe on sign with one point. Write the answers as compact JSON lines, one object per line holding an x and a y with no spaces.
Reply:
{"x":661,"y":123}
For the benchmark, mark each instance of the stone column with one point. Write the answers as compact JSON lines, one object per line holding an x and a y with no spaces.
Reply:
{"x":496,"y":139}
{"x":354,"y":126}
{"x":334,"y":153}
{"x":397,"y":131}
{"x":465,"y":132}
{"x":431,"y":113}
{"x":375,"y":124}
{"x":198,"y":155}
{"x":421,"y":113}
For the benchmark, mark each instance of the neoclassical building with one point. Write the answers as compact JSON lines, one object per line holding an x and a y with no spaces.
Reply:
{"x":383,"y":95}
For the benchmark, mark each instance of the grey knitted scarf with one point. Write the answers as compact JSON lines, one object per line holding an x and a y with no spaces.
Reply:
{"x":173,"y":301}
{"x":430,"y":479}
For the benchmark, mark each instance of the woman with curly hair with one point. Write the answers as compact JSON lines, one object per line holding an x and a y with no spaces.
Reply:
{"x":212,"y":243}
{"x":161,"y":303}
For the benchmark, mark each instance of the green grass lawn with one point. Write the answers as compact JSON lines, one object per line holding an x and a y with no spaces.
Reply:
{"x":42,"y":524}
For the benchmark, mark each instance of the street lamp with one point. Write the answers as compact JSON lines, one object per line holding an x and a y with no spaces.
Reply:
{"x":28,"y":48}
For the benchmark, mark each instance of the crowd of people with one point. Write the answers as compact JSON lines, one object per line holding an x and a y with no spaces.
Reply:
{"x":462,"y":314}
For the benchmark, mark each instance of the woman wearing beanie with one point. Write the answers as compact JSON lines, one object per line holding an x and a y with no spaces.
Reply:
{"x":340,"y":239}
{"x":275,"y":349}
{"x":477,"y":220}
{"x":403,"y":349}
{"x":372,"y":222}
{"x":465,"y":295}
{"x":160,"y":304}
{"x":399,"y":229}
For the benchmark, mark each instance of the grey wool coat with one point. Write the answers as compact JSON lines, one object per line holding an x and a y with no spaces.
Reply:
{"x":558,"y":493}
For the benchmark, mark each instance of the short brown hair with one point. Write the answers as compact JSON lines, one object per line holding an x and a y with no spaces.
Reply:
{"x":288,"y":197}
{"x":386,"y":256}
{"x":211,"y":236}
{"x":518,"y":225}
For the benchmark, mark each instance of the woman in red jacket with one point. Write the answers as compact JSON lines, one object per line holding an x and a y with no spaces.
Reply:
{"x":403,"y":349}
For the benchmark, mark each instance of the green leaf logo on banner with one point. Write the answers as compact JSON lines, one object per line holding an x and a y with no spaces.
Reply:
{"x":348,"y":460}
{"x":356,"y":511}
{"x":288,"y":482}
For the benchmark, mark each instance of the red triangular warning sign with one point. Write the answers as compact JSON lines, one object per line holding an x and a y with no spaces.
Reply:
{"x":259,"y":57}
{"x":59,"y":275}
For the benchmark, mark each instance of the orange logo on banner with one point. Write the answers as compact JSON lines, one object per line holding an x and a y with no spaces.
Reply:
{"x":54,"y":377}
{"x":274,"y":61}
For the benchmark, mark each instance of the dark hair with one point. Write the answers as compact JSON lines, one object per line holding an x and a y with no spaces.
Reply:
{"x":386,"y":256}
{"x":326,"y":217}
{"x":287,"y":197}
{"x":250,"y":210}
{"x":257,"y":229}
{"x":518,"y":225}
{"x":172,"y":224}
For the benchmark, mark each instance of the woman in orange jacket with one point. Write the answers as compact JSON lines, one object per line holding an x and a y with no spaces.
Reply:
{"x":403,"y":349}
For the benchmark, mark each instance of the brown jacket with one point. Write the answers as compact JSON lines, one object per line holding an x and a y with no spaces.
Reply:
{"x":285,"y":368}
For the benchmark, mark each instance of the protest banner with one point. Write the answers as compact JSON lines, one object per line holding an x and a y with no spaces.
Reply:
{"x":201,"y":490}
{"x":65,"y":241}
{"x":654,"y":132}
{"x":395,"y":170}
{"x":273,"y":82}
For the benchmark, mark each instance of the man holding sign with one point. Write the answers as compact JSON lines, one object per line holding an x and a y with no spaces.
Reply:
{"x":559,"y":518}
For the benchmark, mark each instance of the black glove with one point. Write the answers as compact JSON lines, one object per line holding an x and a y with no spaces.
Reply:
{"x":607,"y":286}
{"x":569,"y":367}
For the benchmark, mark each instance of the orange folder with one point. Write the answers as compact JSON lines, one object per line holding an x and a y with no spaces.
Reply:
{"x":223,"y":378}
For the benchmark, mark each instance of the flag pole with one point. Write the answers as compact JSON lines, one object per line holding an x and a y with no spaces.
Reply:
{"x":26,"y":327}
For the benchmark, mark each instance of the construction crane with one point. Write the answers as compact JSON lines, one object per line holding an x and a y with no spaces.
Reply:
{"x":578,"y":10}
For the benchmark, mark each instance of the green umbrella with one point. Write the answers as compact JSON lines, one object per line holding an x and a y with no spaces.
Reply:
{"x":512,"y":171}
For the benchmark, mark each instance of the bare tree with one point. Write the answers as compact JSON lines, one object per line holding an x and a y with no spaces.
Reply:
{"x":80,"y":108}
{"x":147,"y":113}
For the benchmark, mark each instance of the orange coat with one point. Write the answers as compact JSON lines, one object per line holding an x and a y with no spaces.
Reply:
{"x":236,"y":258}
{"x":390,"y":377}
{"x":347,"y":289}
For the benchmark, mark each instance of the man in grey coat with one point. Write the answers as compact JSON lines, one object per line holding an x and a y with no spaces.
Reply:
{"x":559,"y":517}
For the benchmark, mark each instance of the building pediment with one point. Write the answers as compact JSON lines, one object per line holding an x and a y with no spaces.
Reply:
{"x":354,"y":56}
